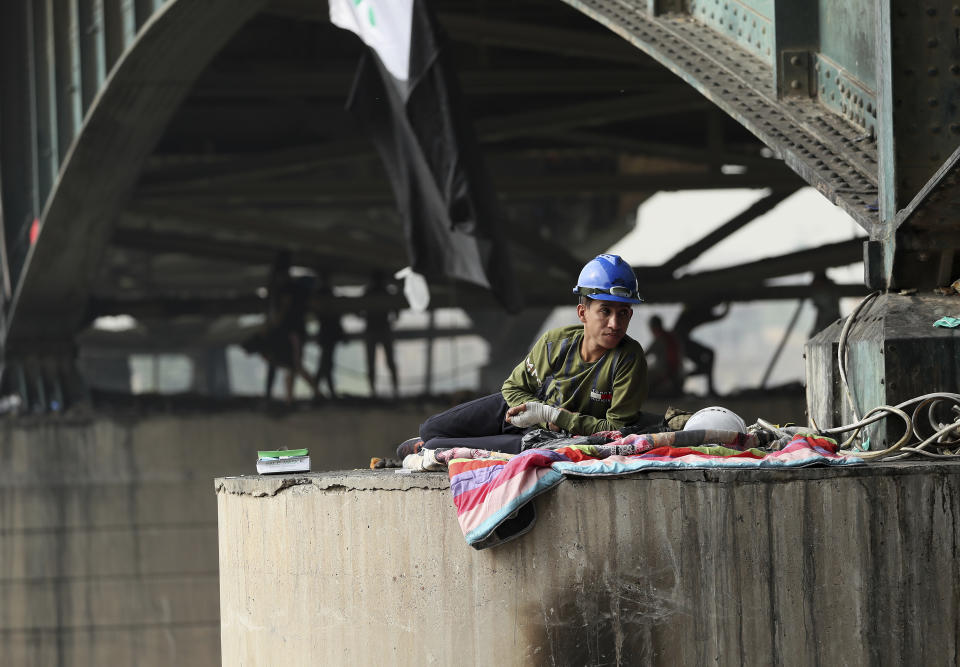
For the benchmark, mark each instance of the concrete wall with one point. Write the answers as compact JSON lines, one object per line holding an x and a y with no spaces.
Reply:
{"x":108,"y":544}
{"x":812,"y":566}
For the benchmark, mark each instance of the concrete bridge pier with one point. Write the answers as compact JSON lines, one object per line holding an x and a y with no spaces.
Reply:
{"x":809,"y":566}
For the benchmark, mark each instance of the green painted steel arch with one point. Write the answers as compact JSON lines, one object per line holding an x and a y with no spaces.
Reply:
{"x":99,"y":168}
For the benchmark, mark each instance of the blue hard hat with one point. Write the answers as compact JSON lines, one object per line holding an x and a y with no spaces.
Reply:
{"x":608,"y":278}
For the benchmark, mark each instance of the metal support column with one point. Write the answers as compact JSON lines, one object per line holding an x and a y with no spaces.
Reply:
{"x":917,"y":133}
{"x":93,"y":56}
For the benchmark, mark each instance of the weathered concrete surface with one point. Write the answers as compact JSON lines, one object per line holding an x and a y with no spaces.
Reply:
{"x":814,"y":566}
{"x":108,"y":544}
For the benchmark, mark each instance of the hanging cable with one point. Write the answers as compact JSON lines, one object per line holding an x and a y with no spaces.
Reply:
{"x":921,"y":448}
{"x":902,"y":449}
{"x":881,"y":411}
{"x":842,"y":352}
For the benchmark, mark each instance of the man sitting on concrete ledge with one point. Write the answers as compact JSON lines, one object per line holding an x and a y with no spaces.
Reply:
{"x":581,"y":379}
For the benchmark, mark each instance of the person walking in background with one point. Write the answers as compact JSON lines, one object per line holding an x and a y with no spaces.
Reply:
{"x":285,"y":329}
{"x":666,"y":366}
{"x":331,"y":333}
{"x":379,"y":331}
{"x":825,"y":300}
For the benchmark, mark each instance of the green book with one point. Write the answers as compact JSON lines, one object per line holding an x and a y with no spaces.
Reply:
{"x":281,"y":453}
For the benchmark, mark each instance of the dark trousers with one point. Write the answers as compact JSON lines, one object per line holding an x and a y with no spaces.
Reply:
{"x":479,"y":424}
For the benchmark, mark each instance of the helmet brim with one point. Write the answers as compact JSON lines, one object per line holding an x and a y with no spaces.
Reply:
{"x":611,"y":297}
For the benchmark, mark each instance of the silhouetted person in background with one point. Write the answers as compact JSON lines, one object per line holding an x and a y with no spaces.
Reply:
{"x":331,"y":333}
{"x":695,"y":314}
{"x":379,"y":331}
{"x":285,"y":331}
{"x":825,"y":301}
{"x":665,"y":371}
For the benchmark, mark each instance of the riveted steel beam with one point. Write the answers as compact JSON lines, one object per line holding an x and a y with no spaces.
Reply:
{"x":183,"y":172}
{"x":795,"y":40}
{"x":276,"y":81}
{"x":18,"y":195}
{"x":718,"y":155}
{"x":827,"y":152}
{"x":859,"y":98}
{"x":310,"y":247}
{"x":588,"y":114}
{"x":93,"y":53}
{"x":367,"y":192}
{"x":839,"y":90}
{"x":926,"y":237}
{"x":143,"y":10}
{"x":120,"y":28}
{"x":919,"y":133}
{"x":497,"y":32}
{"x":165,"y":307}
{"x":842,"y":253}
{"x":533,"y":37}
{"x":45,"y":88}
{"x":747,"y":24}
{"x":66,"y":64}
{"x":744,"y":290}
{"x":4,"y":260}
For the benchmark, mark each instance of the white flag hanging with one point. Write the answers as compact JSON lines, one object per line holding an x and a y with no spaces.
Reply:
{"x":383,"y":25}
{"x":405,"y":97}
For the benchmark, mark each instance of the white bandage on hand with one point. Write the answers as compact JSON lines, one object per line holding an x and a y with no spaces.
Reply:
{"x":536,"y":413}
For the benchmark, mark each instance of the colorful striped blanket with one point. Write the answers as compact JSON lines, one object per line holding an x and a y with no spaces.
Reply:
{"x":492,"y":491}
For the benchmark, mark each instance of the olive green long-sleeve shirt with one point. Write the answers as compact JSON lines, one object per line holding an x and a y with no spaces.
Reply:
{"x":603,"y":395}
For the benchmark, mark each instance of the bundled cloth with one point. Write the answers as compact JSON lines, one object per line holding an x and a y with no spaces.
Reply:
{"x":759,"y":439}
{"x":492,"y":492}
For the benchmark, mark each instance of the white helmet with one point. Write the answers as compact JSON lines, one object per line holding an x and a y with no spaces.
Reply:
{"x":715,"y":418}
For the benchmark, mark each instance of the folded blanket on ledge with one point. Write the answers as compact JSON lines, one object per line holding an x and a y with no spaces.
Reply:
{"x":492,"y":491}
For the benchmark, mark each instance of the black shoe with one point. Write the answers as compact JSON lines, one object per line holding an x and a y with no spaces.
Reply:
{"x":409,"y":446}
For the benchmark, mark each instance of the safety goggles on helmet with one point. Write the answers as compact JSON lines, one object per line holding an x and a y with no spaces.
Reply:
{"x":613,"y":290}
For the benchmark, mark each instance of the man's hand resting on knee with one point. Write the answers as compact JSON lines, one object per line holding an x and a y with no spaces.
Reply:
{"x":531,"y":413}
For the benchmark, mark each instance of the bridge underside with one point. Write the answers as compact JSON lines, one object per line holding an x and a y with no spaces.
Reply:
{"x":171,"y":153}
